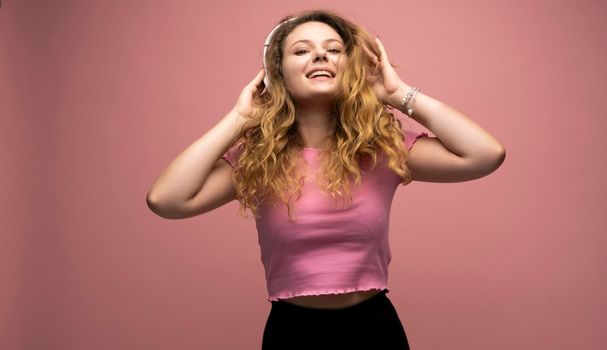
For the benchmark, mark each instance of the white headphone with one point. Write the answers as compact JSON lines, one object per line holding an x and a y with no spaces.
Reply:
{"x":266,"y":78}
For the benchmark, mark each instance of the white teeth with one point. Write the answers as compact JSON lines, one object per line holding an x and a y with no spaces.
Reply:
{"x":320,"y":72}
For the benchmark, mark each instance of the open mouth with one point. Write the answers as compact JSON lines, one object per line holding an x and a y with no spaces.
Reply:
{"x":320,"y":75}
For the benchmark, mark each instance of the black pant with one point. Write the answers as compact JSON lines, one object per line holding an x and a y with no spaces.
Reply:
{"x":372,"y":324}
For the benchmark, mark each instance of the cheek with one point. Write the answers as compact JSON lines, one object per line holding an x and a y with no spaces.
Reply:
{"x":342,"y":61}
{"x":292,"y":71}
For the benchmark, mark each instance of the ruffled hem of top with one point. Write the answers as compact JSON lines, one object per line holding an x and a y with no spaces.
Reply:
{"x":325,"y":292}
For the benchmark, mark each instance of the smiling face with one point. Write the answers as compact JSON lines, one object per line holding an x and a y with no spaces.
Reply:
{"x":310,"y":47}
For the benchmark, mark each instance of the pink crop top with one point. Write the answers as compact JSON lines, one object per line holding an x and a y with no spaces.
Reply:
{"x":328,"y":250}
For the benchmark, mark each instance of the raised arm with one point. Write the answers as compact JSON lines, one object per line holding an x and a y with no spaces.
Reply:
{"x":198,"y":180}
{"x":461,"y":150}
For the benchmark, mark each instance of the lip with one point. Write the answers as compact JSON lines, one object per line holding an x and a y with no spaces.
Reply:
{"x":321,"y":68}
{"x":319,"y":80}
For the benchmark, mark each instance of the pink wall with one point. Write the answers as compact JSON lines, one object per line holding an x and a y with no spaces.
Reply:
{"x":98,"y":96}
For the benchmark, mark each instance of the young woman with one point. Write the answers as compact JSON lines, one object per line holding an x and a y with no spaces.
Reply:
{"x":312,"y":148}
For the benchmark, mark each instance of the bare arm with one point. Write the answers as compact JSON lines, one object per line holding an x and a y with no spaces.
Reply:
{"x":462,"y":150}
{"x":185,"y":175}
{"x":198,"y":180}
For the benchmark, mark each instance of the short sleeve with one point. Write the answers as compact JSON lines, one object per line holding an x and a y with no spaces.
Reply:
{"x":233,"y":153}
{"x":408,"y":130}
{"x":412,"y":136}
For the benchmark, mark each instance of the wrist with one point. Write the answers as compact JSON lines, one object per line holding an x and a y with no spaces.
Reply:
{"x":396,"y":99}
{"x":408,"y":95}
{"x":236,"y":116}
{"x":236,"y":120}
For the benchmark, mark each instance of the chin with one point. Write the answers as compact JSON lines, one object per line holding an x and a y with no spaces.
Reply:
{"x":316,"y":98}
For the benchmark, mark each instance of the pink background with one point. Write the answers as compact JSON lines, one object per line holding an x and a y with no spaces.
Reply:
{"x":98,"y":96}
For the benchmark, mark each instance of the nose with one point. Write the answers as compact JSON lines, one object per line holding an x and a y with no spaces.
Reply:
{"x":320,"y":55}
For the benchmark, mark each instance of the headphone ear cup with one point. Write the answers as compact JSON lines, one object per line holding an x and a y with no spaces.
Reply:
{"x":266,"y":78}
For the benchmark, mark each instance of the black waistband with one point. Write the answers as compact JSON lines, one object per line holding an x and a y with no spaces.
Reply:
{"x":366,"y":305}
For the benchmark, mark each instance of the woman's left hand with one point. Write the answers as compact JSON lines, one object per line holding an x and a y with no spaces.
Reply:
{"x":382,"y":77}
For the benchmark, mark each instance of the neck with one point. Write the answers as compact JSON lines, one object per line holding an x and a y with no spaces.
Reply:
{"x":315,"y":124}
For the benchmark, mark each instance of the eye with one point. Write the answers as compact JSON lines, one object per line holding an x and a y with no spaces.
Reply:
{"x":334,"y":50}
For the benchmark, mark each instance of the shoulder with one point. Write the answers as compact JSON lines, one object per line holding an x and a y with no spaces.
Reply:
{"x":410,"y":130}
{"x":232,"y":154}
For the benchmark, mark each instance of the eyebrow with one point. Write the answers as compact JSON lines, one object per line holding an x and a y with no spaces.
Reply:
{"x":309,"y":41}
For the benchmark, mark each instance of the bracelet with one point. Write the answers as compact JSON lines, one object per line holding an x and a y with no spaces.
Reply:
{"x":409,"y":99}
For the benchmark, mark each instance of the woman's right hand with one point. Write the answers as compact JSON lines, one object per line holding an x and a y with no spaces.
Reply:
{"x":246,"y":104}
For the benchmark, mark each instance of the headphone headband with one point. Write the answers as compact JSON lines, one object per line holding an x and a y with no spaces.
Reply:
{"x":266,"y":79}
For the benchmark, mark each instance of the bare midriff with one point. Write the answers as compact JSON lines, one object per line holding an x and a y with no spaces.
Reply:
{"x":332,"y":301}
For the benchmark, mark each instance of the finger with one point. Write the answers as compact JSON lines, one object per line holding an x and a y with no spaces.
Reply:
{"x":257,"y":84}
{"x":261,"y":83}
{"x":259,"y":77}
{"x":373,"y":59}
{"x":382,"y":50}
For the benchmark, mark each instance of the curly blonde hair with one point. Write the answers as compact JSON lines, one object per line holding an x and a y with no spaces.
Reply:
{"x":270,"y":164}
